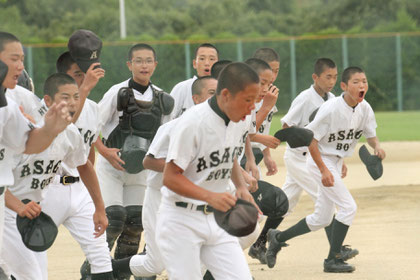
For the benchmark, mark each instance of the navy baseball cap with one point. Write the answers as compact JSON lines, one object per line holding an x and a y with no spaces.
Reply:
{"x":85,"y":48}
{"x":373,"y":163}
{"x":240,"y":220}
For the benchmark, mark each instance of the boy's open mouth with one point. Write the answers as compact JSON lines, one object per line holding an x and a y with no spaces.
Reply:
{"x":361,"y":93}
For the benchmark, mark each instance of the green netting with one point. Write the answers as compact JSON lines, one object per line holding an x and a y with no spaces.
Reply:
{"x":376,"y":55}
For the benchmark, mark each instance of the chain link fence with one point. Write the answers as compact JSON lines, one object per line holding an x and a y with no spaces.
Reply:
{"x":391,"y":63}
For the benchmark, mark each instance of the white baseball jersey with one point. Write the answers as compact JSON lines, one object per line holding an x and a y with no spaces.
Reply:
{"x":265,"y":125}
{"x":30,"y":103}
{"x":108,"y":114}
{"x":182,"y":94}
{"x":32,"y":173}
{"x":14,"y":129}
{"x":204,"y":145}
{"x":88,"y":125}
{"x":159,"y":149}
{"x":301,"y":108}
{"x":338,"y":127}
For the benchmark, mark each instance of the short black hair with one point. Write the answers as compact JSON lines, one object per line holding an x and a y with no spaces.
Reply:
{"x":350,"y":71}
{"x":206,"y":45}
{"x":258,"y":65}
{"x":235,"y":77}
{"x":322,"y":64}
{"x":266,"y":54}
{"x":141,"y":46}
{"x":199,"y":84}
{"x":5,"y":38}
{"x":64,"y":62}
{"x":218,"y":66}
{"x":56,"y":80}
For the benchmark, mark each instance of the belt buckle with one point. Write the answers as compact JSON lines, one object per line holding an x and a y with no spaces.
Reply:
{"x":205,"y":210}
{"x":64,"y":180}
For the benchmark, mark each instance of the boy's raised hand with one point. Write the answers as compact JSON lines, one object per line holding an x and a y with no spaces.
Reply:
{"x":270,"y":98}
{"x":57,"y":118}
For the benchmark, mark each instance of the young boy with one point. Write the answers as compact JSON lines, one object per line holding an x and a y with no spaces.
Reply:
{"x":76,"y":192}
{"x":32,"y":174}
{"x":205,"y":56}
{"x":151,"y":263}
{"x":200,"y":162}
{"x":123,"y":192}
{"x":303,"y":106}
{"x":337,"y":127}
{"x":17,"y":134}
{"x":271,"y":199}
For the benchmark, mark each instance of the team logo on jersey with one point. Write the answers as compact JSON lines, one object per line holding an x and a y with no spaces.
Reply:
{"x":216,"y":158}
{"x":87,"y":136}
{"x":94,"y":55}
{"x":344,"y":135}
{"x":37,"y":168}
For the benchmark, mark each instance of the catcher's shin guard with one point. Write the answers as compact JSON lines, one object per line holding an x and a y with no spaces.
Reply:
{"x":129,"y":240}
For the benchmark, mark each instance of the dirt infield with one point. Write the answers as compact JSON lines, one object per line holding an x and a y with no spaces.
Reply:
{"x":386,"y":229}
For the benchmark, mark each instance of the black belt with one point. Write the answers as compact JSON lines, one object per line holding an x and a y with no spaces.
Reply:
{"x":67,"y":180}
{"x":206,"y":209}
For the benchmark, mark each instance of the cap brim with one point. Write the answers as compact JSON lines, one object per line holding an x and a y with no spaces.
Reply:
{"x":295,"y":136}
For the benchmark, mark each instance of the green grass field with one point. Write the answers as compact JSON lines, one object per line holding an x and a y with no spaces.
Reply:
{"x":392,"y":126}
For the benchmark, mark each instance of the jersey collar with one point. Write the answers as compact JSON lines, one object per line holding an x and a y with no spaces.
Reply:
{"x":215,"y":107}
{"x":140,"y":88}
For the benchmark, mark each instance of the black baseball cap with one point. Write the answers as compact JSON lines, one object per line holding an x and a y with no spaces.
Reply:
{"x":85,"y":48}
{"x":240,"y":220}
{"x":373,"y":163}
{"x":39,"y":233}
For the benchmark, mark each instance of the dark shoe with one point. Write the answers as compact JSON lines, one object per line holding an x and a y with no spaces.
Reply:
{"x":274,"y":247}
{"x":347,"y":252}
{"x":257,"y":251}
{"x":337,"y":265}
{"x":85,"y":271}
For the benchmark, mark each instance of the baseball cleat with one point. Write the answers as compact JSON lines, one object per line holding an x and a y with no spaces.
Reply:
{"x":337,"y":265}
{"x":258,"y":251}
{"x":347,"y":252}
{"x":274,"y":247}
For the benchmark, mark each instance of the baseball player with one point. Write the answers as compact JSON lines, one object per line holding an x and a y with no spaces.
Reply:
{"x":217,"y":67}
{"x":271,"y":199}
{"x":200,"y":162}
{"x":17,"y":134}
{"x":205,"y":56}
{"x":337,"y":127}
{"x":303,"y":106}
{"x":151,"y":263}
{"x":67,"y":199}
{"x":32,"y":174}
{"x":123,"y":192}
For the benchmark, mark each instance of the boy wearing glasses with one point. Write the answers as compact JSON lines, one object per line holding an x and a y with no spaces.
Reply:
{"x":137,"y":106}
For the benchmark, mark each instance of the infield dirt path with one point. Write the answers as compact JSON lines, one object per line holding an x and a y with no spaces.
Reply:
{"x":386,"y":229}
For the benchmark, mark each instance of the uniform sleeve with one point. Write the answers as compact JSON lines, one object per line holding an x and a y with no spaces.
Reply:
{"x":253,"y":124}
{"x":183,"y":143}
{"x":176,"y":93}
{"x":107,"y":107}
{"x":321,"y":123}
{"x":294,"y":115}
{"x":14,"y":127}
{"x":369,"y":130}
{"x":76,"y":153}
{"x":159,"y":146}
